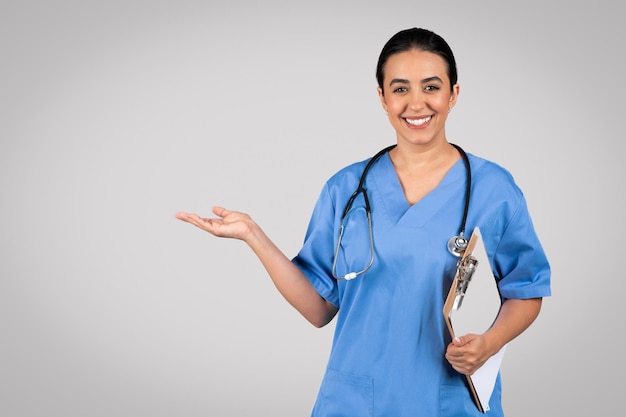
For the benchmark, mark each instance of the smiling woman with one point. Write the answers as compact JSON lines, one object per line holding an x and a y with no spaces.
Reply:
{"x":118,"y":114}
{"x":390,"y":333}
{"x":417,"y":95}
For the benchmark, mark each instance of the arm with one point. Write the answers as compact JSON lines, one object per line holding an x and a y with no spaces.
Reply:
{"x":468,"y":353}
{"x":287,"y":277}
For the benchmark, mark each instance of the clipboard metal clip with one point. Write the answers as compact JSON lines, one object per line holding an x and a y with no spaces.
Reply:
{"x":465,"y":270}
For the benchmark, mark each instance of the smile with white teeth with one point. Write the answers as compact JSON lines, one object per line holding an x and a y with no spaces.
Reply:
{"x":418,"y":122}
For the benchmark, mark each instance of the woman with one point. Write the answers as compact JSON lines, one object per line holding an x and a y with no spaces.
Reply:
{"x":391,"y":353}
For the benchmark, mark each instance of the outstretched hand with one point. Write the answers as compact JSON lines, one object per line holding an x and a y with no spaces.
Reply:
{"x":231,"y":224}
{"x":288,"y":278}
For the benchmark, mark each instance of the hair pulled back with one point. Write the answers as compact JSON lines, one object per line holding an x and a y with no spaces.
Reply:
{"x":420,"y":39}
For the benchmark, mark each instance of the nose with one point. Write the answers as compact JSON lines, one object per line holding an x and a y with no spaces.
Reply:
{"x":416,"y":101}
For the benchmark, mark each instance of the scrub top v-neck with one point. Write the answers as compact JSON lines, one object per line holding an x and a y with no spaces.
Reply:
{"x":387,"y":356}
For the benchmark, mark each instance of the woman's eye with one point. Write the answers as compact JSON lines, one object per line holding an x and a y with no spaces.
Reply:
{"x":400,"y":90}
{"x":431,"y":88}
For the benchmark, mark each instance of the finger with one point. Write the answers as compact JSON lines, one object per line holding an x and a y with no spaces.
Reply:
{"x":220,"y":211}
{"x":181,"y":215}
{"x":458,"y":366}
{"x":187,"y":217}
{"x":463,"y":340}
{"x":454,"y":355}
{"x":204,"y":223}
{"x":194,"y":219}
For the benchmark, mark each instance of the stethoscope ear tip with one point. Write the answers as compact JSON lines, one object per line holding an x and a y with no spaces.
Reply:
{"x":457,"y":245}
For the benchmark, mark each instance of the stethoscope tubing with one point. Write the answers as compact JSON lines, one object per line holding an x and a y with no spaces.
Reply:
{"x":456,"y":245}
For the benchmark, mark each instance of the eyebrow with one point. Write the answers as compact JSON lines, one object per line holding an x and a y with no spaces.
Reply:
{"x":424,"y":81}
{"x":431,"y":79}
{"x":398,"y":81}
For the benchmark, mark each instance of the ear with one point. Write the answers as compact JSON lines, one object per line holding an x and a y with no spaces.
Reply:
{"x":381,"y":96}
{"x":454,"y":96}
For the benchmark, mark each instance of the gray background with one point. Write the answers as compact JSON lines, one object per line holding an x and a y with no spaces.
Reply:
{"x":115,"y":115}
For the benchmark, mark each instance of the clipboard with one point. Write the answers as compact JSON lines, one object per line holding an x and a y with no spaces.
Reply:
{"x":472,"y":305}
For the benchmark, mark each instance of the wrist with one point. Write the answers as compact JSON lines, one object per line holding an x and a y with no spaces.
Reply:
{"x":253,"y":235}
{"x":493,"y":342}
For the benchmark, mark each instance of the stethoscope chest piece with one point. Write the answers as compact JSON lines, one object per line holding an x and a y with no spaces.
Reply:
{"x":457,"y":245}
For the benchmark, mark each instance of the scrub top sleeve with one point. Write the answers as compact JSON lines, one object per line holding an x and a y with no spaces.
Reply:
{"x":316,"y":255}
{"x":520,"y":260}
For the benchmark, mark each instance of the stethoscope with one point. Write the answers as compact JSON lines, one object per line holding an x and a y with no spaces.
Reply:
{"x":456,"y":244}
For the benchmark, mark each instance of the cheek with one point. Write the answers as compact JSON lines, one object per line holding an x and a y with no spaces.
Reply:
{"x":395,"y":106}
{"x":441,"y":102}
{"x":449,"y":98}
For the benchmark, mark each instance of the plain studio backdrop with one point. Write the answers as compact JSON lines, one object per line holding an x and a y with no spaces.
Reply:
{"x":116,"y":115}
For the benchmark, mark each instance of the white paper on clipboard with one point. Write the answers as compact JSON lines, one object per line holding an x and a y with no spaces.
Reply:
{"x":474,"y":312}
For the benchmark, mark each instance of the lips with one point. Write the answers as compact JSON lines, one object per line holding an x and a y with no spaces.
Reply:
{"x":417,"y":122}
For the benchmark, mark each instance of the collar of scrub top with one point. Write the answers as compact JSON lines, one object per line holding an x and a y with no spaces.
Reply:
{"x":456,"y":244}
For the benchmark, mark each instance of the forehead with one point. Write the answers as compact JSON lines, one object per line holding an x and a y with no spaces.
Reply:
{"x":416,"y":64}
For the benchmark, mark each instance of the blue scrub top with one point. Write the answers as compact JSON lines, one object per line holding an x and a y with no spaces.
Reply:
{"x":388,"y":352}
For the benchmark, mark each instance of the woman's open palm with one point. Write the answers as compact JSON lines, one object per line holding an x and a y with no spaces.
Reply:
{"x":230,"y":224}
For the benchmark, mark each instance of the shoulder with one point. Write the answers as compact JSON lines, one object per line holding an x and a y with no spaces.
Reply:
{"x":484,"y":167}
{"x":347,"y":176}
{"x":489,"y":174}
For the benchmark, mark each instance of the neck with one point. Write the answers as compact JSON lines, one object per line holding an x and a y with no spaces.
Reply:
{"x":423,"y":156}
